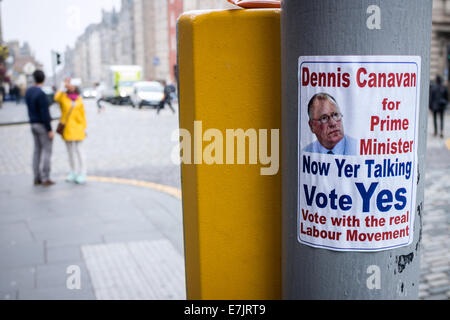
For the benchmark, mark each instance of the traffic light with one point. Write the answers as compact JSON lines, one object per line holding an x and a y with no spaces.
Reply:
{"x":58,"y":58}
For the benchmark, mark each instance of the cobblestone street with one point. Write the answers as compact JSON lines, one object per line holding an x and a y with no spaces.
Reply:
{"x":435,"y":253}
{"x":137,"y":144}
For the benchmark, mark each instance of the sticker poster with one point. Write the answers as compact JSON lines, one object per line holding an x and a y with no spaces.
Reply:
{"x":358,"y":133}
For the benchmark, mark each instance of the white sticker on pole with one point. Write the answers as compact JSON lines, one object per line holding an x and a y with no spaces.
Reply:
{"x":358,"y":133}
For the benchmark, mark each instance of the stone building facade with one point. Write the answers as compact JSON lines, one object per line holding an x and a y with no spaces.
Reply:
{"x":143,"y":32}
{"x":440,"y":40}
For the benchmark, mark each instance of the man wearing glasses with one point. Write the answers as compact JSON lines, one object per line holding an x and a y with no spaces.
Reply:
{"x":325,"y":121}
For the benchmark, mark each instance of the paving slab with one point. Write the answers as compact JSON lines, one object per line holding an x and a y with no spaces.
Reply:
{"x":45,"y":231}
{"x":57,"y":275}
{"x":144,"y":270}
{"x":17,"y":278}
{"x":21,"y":255}
{"x":56,"y":294}
{"x":63,"y":254}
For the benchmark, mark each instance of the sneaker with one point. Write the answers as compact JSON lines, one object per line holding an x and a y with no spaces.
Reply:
{"x":71,"y":177}
{"x":80,"y":179}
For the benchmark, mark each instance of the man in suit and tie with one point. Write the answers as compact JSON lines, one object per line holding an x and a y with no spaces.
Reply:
{"x":325,"y":121}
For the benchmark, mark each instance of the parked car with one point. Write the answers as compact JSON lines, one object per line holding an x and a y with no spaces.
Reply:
{"x":147,"y":93}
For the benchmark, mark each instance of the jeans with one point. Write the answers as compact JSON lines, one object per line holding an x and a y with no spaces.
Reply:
{"x":441,"y":116}
{"x":77,"y":160}
{"x":162,"y":103}
{"x":42,"y":152}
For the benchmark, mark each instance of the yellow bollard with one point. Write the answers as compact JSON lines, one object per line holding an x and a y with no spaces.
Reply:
{"x":230,"y":78}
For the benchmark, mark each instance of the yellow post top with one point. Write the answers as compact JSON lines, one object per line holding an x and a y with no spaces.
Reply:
{"x":230,"y":78}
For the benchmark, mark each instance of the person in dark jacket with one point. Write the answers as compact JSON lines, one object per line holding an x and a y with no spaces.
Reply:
{"x":438,"y":103}
{"x":40,"y":120}
{"x":17,"y":94}
{"x":168,"y":89}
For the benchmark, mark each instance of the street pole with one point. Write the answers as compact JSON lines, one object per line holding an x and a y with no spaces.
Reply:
{"x":378,"y":35}
{"x":54,"y":67}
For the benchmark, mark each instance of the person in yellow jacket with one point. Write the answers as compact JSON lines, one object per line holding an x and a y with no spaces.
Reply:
{"x":74,"y":118}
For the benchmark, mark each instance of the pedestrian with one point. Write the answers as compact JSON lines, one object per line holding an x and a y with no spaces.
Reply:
{"x":3,"y":93}
{"x":73,"y":131}
{"x":13,"y":92}
{"x":12,"y":95}
{"x":39,"y":115}
{"x":2,"y":96}
{"x":100,"y":88}
{"x":167,"y":97}
{"x":438,"y":103}
{"x":18,"y":94}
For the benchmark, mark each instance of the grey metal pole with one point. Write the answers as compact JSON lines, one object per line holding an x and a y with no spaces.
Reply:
{"x":356,"y":28}
{"x":54,"y":68}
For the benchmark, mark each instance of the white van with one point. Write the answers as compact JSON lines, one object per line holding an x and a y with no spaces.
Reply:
{"x":147,"y":93}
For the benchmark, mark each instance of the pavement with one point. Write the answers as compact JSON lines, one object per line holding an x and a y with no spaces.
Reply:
{"x":120,"y":235}
{"x":125,"y":240}
{"x":435,"y":246}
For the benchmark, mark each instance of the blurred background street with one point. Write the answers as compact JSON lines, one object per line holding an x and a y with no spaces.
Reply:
{"x":125,"y":235}
{"x":115,"y":136}
{"x":122,"y":231}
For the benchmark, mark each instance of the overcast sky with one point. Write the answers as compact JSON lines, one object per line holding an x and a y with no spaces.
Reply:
{"x":50,"y":24}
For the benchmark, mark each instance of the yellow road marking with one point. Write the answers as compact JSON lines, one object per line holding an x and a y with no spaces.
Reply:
{"x":175,"y":192}
{"x":447,"y":143}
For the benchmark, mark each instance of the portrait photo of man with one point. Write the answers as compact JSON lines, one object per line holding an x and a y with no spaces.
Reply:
{"x":325,"y":122}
